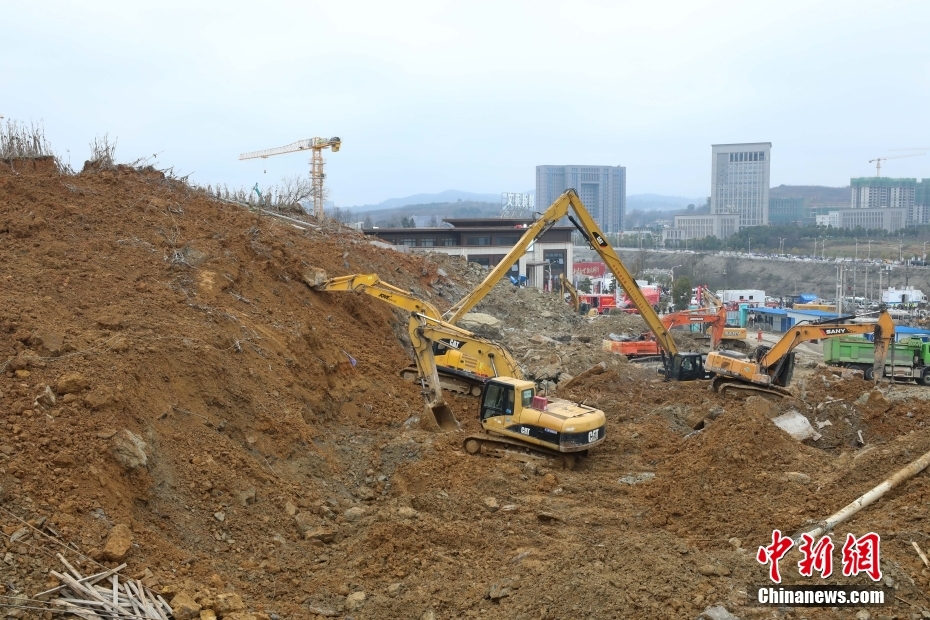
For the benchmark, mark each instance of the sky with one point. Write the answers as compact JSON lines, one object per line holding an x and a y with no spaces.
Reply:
{"x":472,"y":95}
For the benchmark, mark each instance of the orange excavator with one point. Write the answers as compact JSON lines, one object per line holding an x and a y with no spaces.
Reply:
{"x":645,"y":346}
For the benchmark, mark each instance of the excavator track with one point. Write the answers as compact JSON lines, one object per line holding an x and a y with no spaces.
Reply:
{"x":502,"y":447}
{"x":452,"y":383}
{"x":726,"y":386}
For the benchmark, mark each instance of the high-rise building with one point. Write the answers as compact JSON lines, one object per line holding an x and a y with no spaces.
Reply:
{"x":739,"y":181}
{"x":602,"y":189}
{"x":786,"y":210}
{"x":890,"y":193}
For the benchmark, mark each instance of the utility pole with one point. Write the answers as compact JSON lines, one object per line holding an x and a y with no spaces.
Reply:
{"x":867,"y":297}
{"x":855,"y":263}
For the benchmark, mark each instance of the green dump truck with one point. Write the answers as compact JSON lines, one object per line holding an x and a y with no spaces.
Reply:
{"x":908,"y":358}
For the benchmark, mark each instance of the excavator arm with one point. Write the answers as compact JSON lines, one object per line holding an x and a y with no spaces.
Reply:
{"x":883,"y":331}
{"x":716,"y":321}
{"x":593,"y":235}
{"x":371,"y":284}
{"x":564,"y":205}
{"x":567,"y":287}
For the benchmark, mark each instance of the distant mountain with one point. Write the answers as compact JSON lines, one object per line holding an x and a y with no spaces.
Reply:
{"x":423,"y":213}
{"x":814,"y":194}
{"x":658,"y":202}
{"x":448,"y":196}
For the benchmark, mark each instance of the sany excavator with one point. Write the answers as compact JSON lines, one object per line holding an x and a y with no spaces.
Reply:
{"x":769,"y":369}
{"x":520,"y":424}
{"x":678,"y":365}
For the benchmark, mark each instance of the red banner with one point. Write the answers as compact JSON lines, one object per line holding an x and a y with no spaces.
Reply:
{"x":590,"y":270}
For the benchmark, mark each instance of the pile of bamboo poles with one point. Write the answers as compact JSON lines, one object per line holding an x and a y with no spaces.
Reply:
{"x":87,"y":598}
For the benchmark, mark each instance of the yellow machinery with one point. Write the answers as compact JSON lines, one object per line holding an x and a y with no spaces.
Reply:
{"x":464,"y":360}
{"x":514,"y":415}
{"x":566,"y":287}
{"x":316,"y":146}
{"x":521,"y":424}
{"x":769,"y":370}
{"x":678,"y":366}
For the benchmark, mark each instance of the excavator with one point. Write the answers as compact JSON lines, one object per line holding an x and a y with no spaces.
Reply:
{"x":519,"y":423}
{"x":721,"y":335}
{"x":737,"y":335}
{"x":769,"y":369}
{"x":464,"y":360}
{"x":566,"y":287}
{"x":677,"y":365}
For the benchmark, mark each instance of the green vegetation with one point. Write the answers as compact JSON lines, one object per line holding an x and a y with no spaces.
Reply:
{"x":681,"y":293}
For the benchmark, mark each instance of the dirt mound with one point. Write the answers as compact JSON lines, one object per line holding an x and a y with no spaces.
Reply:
{"x":164,"y":366}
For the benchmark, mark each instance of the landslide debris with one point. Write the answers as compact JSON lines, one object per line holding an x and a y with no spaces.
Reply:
{"x":174,"y":394}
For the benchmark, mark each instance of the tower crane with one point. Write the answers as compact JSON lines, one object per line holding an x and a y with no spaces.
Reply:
{"x":316,"y":146}
{"x":878,"y":161}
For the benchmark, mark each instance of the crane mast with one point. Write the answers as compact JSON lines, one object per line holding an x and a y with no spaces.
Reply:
{"x":315,"y":146}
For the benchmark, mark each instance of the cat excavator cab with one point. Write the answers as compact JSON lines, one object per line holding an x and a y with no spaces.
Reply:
{"x":514,"y":415}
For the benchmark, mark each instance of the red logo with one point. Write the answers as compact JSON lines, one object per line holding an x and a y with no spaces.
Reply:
{"x":817,"y":557}
{"x":773,"y":553}
{"x":860,"y":555}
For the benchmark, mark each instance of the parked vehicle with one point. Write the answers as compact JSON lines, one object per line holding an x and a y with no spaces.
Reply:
{"x":908,"y":358}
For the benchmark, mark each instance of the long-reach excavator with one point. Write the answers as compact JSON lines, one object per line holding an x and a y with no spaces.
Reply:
{"x":520,"y":424}
{"x":464,"y":360}
{"x":566,"y":287}
{"x":678,"y":365}
{"x":769,"y":369}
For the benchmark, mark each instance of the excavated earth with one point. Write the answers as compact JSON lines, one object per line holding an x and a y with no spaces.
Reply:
{"x":165,"y":366}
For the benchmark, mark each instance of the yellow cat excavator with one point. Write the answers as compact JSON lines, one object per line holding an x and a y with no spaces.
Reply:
{"x":678,"y":365}
{"x":464,"y":360}
{"x":520,"y":424}
{"x":769,"y":369}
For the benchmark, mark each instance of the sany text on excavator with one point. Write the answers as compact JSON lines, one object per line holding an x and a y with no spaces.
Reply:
{"x":521,"y":424}
{"x":769,"y":370}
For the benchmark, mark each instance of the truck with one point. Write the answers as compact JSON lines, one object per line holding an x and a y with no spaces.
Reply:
{"x":652,"y":295}
{"x":909,"y":358}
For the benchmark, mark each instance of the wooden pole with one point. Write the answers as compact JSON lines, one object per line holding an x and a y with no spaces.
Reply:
{"x":903,"y":474}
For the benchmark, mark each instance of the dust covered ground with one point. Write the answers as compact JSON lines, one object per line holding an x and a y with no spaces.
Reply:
{"x":256,"y":438}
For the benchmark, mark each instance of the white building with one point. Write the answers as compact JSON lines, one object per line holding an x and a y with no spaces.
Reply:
{"x":739,"y":181}
{"x":739,"y":193}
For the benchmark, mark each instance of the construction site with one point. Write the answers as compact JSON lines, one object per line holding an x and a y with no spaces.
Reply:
{"x":216,"y":411}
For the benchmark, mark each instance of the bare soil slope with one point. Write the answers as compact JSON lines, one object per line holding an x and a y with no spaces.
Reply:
{"x":257,"y":439}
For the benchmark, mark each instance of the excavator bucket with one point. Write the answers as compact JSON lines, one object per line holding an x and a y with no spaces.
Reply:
{"x":439,"y":417}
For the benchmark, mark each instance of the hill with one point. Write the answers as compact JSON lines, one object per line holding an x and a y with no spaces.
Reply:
{"x":466,"y":208}
{"x":659,"y":202}
{"x":165,"y":367}
{"x":814,"y":194}
{"x":448,"y":196}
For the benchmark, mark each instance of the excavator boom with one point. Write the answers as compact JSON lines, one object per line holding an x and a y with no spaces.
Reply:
{"x":569,"y":204}
{"x":806,"y":332}
{"x":770,"y":369}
